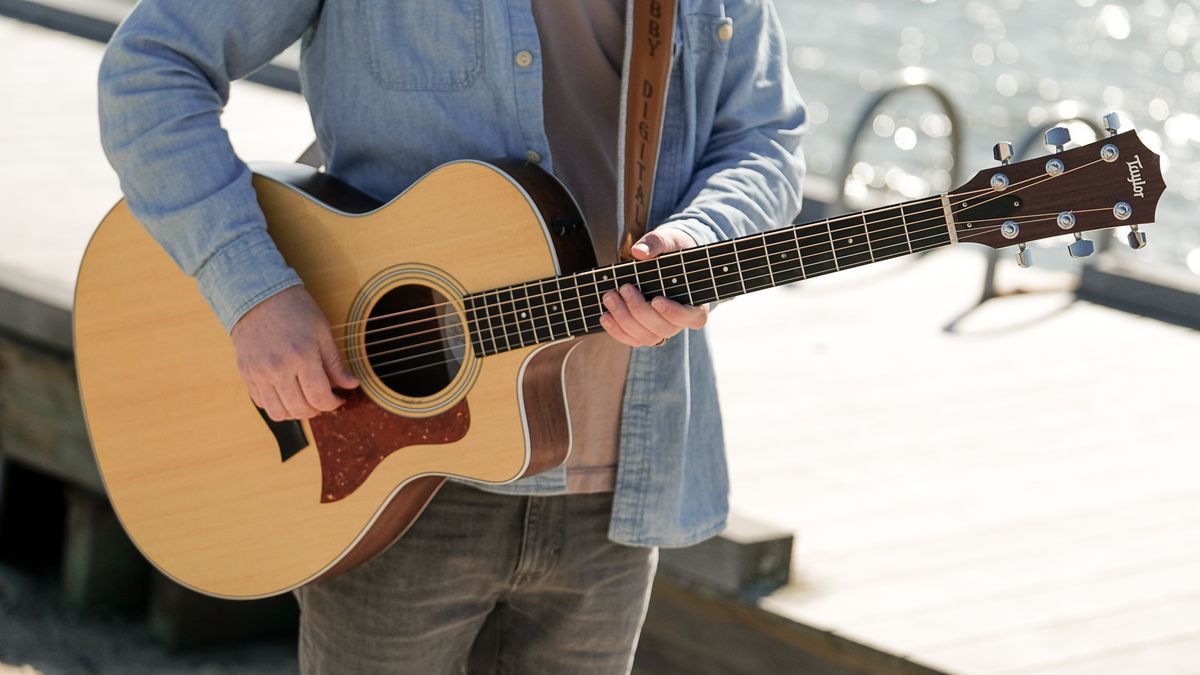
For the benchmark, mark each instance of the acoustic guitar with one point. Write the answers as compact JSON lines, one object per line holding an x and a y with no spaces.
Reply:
{"x":456,"y":304}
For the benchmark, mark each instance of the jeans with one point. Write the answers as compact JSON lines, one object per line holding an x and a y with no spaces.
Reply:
{"x":486,"y":583}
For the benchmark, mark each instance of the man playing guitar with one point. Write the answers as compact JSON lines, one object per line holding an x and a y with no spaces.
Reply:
{"x":559,"y":564}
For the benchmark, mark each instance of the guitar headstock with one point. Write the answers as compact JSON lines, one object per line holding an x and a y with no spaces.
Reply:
{"x":1113,"y":182}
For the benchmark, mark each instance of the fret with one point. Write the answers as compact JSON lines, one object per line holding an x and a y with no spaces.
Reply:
{"x":698,"y":273}
{"x":675,"y":283}
{"x":867,"y":236}
{"x":799,"y":252}
{"x":626,"y":273}
{"x":726,"y":275}
{"x":816,"y":249}
{"x":592,"y":298}
{"x":573,"y":314}
{"x":678,"y":277}
{"x":556,"y":316}
{"x":475,"y":324}
{"x":508,"y":312}
{"x":539,"y":312}
{"x":737,"y":260}
{"x":752,"y":260}
{"x":649,"y":279}
{"x":523,"y":322}
{"x":887,"y":234}
{"x":904,"y":221}
{"x":784,"y":261}
{"x":849,"y":236}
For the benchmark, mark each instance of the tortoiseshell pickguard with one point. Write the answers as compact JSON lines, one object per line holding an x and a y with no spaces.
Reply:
{"x":352,"y":440}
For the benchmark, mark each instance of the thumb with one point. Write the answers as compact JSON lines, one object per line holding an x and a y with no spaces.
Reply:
{"x":649,"y":246}
{"x":335,"y":365}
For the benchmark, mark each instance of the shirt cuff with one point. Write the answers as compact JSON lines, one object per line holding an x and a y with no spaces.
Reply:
{"x":242,"y":274}
{"x":700,"y":233}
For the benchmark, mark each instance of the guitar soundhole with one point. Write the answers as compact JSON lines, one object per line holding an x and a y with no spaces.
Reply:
{"x":414,"y":341}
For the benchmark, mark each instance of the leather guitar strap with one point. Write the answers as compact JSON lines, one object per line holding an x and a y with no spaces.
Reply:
{"x":645,"y":102}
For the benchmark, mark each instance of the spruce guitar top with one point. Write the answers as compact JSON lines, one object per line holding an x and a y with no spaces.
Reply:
{"x":456,"y":304}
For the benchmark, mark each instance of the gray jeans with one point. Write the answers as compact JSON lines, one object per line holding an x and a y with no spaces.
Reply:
{"x":486,"y":583}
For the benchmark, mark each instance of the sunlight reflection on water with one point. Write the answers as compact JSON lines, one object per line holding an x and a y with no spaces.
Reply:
{"x":1009,"y":65}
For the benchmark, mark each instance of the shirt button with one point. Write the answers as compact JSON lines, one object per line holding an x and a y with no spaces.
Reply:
{"x":533,"y":157}
{"x":524,"y":58}
{"x":725,"y":33}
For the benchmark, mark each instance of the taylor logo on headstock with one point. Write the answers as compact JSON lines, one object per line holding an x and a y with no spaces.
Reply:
{"x":1135,"y":176}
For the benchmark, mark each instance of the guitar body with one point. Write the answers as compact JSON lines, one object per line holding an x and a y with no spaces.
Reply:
{"x":229,"y":505}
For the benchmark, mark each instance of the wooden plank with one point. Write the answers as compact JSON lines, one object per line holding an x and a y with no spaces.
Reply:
{"x":1046,"y":645}
{"x":840,"y":607}
{"x":1025,"y":536}
{"x":702,"y":634}
{"x":1170,"y":656}
{"x":41,"y":416}
{"x":1025,"y":610}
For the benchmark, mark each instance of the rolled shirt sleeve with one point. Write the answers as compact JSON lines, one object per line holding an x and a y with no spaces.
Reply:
{"x":749,"y":175}
{"x":163,"y":83}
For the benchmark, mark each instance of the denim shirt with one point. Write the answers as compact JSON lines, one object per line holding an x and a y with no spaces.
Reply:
{"x":397,"y":88}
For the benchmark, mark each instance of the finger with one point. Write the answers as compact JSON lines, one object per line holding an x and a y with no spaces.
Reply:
{"x":620,"y":314}
{"x":651,"y":245}
{"x":293,"y":400}
{"x":336,"y":370}
{"x":255,"y":395}
{"x":318,"y":393}
{"x":615,"y":332}
{"x":660,"y":241}
{"x":680,"y":314}
{"x":646,"y":314}
{"x":272,"y":404}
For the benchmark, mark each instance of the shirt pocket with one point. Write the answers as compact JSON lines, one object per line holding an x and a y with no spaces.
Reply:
{"x":708,"y":33}
{"x":423,"y":44}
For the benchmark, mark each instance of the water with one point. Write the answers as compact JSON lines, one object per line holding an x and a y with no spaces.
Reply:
{"x":1009,"y":66}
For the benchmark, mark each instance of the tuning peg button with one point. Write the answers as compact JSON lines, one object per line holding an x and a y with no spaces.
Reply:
{"x":1058,"y":137}
{"x":1024,"y":256}
{"x":1081,"y":248}
{"x":1136,"y":238}
{"x":1003,"y":152}
{"x":1112,"y":123}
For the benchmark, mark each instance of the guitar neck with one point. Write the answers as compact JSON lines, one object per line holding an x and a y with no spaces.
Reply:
{"x":554,"y":308}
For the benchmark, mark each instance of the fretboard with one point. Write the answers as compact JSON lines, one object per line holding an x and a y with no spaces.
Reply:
{"x":554,"y":308}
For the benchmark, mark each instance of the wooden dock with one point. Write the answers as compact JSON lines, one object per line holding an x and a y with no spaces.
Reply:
{"x":1022,"y":496}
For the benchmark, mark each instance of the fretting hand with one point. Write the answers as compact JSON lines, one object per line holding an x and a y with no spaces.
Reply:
{"x":631,"y":320}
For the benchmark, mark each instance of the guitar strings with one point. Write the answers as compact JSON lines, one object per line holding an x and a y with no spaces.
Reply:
{"x":459,"y":340}
{"x":829,"y":221}
{"x":555,"y":323}
{"x":862,"y":214}
{"x":741,"y":278}
{"x":504,"y":315}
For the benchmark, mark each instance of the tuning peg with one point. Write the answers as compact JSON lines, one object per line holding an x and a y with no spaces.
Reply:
{"x":1081,"y":248}
{"x":1137,"y":238}
{"x":1112,"y":123}
{"x":1003,"y":152}
{"x":1058,"y":137}
{"x":1024,"y":256}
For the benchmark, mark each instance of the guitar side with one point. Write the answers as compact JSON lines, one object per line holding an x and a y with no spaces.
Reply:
{"x":198,"y":479}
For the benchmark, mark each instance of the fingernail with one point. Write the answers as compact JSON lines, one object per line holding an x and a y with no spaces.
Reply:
{"x":627,"y":291}
{"x":642,"y":247}
{"x":659,"y":302}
